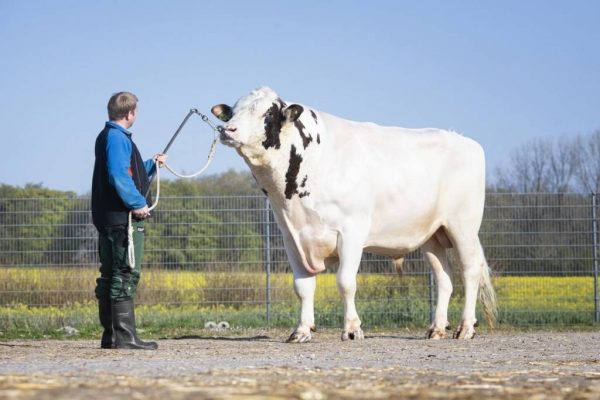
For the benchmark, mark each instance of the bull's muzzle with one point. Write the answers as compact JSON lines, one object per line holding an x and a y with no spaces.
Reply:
{"x":224,"y":134}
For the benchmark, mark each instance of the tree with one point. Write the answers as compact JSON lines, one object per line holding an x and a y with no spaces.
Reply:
{"x":587,"y":173}
{"x":199,"y":225}
{"x":540,"y":166}
{"x":563,"y":163}
{"x":30,"y":220}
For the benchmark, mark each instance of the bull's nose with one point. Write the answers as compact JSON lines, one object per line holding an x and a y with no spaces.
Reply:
{"x":224,"y":136}
{"x":225,"y":133}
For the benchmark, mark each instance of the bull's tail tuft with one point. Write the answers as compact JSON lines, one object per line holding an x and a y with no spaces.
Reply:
{"x":487,"y":296}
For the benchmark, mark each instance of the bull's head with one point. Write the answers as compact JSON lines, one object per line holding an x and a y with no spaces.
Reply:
{"x":256,"y":119}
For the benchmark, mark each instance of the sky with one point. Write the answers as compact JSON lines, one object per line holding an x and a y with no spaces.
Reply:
{"x":503,"y":73}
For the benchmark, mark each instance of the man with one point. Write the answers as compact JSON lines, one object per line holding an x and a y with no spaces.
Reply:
{"x":121,"y":178}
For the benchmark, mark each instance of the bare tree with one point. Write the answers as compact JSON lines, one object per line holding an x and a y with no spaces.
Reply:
{"x":527,"y":171}
{"x":588,"y":166}
{"x":563,"y":164}
{"x":540,"y":166}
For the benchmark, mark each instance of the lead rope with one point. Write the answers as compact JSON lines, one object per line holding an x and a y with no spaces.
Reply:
{"x":130,"y":246}
{"x":211,"y":153}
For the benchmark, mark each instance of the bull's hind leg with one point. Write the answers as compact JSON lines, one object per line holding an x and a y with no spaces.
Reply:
{"x":350,"y":253}
{"x":473,"y":262}
{"x":436,"y":256}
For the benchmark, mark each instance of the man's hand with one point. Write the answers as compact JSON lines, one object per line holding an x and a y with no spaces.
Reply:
{"x":161,"y":158}
{"x":141,"y":213}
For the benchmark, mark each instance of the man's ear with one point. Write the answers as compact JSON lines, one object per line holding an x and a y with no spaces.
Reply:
{"x":293,"y":112}
{"x":222,"y":111}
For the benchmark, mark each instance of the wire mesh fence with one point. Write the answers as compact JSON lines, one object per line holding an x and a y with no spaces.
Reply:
{"x":227,"y":253}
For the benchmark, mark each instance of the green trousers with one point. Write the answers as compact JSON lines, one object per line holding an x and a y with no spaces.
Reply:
{"x":118,"y":279}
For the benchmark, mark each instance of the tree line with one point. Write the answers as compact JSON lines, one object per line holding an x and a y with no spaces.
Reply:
{"x":41,"y":226}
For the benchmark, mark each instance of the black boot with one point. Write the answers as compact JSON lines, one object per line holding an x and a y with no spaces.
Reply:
{"x":105,"y":314}
{"x":124,"y":327}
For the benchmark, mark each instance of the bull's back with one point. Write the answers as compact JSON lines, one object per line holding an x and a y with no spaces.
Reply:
{"x":392,"y":156}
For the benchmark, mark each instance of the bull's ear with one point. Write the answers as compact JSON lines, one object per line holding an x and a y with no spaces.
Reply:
{"x":293,"y":112}
{"x":222,"y":111}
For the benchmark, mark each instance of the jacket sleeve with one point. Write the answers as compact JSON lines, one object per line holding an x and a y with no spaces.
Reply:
{"x":149,"y":166}
{"x":118,"y":160}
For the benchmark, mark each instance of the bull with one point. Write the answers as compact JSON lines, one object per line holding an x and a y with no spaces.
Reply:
{"x":339,"y":187}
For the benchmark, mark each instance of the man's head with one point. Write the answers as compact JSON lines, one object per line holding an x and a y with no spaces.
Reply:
{"x":122,"y":108}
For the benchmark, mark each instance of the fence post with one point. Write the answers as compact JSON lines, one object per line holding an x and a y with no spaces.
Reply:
{"x":595,"y":254}
{"x":430,"y":296}
{"x":267,"y":257}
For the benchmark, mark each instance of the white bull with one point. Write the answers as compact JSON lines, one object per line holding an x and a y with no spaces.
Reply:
{"x":339,"y":187}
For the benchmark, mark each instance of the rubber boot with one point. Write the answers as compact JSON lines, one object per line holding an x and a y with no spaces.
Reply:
{"x":105,"y":314}
{"x":124,"y":327}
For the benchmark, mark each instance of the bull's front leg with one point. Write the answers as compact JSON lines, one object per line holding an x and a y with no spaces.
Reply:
{"x":350,"y":253}
{"x":304,"y":286}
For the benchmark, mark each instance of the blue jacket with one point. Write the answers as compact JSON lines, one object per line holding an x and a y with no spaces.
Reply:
{"x":120,"y":176}
{"x":119,"y":147}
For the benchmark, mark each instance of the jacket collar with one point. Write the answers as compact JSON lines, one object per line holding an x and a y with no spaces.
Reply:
{"x":114,"y":125}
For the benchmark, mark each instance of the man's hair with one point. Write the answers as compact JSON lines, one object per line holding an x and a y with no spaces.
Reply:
{"x":121,"y":104}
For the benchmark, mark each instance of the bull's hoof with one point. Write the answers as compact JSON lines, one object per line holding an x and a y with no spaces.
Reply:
{"x":299,"y":337}
{"x":465,"y":331}
{"x":356,"y":334}
{"x":435,"y":333}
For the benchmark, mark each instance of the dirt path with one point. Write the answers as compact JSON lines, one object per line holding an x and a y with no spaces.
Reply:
{"x":259,"y":365}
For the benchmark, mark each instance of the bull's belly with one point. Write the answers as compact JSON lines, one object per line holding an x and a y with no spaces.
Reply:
{"x":320,"y":246}
{"x":316,"y":242}
{"x":394,"y":248}
{"x":396,"y":243}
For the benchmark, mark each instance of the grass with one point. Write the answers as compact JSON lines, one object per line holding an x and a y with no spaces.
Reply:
{"x":39,"y":302}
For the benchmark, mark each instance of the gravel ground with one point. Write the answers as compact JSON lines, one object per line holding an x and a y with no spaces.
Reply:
{"x":259,"y":365}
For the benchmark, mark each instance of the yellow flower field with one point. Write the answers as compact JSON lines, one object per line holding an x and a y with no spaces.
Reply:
{"x":58,"y":286}
{"x":38,"y":302}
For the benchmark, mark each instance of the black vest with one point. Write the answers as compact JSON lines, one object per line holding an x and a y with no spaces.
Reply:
{"x":107,"y":207}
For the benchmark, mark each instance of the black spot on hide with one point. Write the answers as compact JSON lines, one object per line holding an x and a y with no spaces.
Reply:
{"x":314,"y":116}
{"x":291,"y":176}
{"x":265,"y":192}
{"x":273,"y":119}
{"x":306,"y":138}
{"x":303,"y":184}
{"x":318,"y":138}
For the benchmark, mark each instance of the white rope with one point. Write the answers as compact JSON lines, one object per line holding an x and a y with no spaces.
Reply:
{"x":130,"y":247}
{"x":211,"y":154}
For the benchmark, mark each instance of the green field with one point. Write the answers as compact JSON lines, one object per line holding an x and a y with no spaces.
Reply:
{"x":39,"y":302}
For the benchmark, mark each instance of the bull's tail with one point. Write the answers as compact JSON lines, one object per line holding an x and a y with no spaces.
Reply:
{"x":487,"y":296}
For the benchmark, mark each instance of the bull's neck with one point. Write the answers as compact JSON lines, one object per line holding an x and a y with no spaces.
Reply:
{"x":286,"y":173}
{"x":284,"y":195}
{"x":271,"y":181}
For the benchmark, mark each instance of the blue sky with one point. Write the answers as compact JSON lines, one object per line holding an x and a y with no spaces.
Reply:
{"x":503,"y":73}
